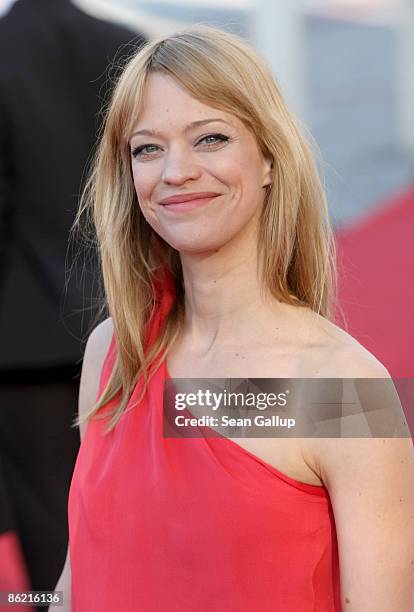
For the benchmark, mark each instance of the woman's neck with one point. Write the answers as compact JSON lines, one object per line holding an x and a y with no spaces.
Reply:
{"x":223,"y":296}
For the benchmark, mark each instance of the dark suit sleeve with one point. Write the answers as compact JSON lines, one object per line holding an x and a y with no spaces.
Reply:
{"x":5,"y":181}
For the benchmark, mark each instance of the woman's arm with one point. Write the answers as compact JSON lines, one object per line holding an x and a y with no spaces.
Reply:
{"x":371,"y":486}
{"x":95,"y":351}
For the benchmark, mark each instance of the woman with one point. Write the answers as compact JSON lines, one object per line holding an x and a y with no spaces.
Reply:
{"x":217,"y":259}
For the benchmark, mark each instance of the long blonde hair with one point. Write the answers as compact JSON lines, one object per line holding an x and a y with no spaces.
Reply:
{"x":296,"y":245}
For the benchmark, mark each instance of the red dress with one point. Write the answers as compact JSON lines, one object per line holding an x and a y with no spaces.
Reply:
{"x":192,"y":524}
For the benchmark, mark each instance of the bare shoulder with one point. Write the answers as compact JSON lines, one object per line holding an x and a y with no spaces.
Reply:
{"x":95,"y":351}
{"x":340,"y":354}
{"x":100,"y":339}
{"x":343,"y":356}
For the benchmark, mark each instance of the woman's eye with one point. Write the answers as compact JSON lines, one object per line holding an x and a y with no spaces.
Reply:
{"x":138,"y":150}
{"x":217,"y":137}
{"x":143,"y":150}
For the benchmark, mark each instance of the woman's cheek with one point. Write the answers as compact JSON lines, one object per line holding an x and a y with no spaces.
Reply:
{"x":147,"y":212}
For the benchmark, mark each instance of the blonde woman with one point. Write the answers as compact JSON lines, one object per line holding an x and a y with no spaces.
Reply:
{"x":218,"y":261}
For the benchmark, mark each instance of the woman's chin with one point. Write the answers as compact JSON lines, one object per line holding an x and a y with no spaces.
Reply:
{"x":195,"y":247}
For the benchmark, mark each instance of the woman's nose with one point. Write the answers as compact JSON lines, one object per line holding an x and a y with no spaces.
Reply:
{"x":180,"y":166}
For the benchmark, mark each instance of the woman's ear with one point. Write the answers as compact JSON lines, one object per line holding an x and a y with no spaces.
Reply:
{"x":267,"y":172}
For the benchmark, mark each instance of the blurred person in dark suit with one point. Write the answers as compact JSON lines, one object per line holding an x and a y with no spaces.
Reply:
{"x":53,"y":71}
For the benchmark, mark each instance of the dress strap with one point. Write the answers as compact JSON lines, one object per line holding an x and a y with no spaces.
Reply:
{"x":164,"y":293}
{"x":107,"y":366}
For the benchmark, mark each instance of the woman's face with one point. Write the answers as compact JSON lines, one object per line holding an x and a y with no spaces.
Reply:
{"x":191,"y":148}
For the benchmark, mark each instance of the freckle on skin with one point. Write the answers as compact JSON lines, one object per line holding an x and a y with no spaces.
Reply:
{"x":347,"y":600}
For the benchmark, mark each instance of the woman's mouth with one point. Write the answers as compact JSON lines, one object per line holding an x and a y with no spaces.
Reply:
{"x":188,"y":204}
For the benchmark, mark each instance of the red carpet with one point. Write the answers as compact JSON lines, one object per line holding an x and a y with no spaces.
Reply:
{"x":376,"y":287}
{"x":376,"y":283}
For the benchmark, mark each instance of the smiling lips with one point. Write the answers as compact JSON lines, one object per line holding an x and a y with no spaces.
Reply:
{"x":188,"y":201}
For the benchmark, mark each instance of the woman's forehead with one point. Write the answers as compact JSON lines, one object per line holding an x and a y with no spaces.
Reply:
{"x":165,"y":100}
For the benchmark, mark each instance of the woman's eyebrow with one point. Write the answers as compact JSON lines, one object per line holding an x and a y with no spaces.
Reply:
{"x":151,"y":132}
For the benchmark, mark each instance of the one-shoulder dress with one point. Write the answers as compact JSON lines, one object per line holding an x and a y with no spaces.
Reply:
{"x":160,"y":524}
